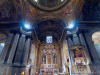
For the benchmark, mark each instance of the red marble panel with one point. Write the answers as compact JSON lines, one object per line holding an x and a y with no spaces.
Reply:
{"x":10,"y":71}
{"x":4,"y":71}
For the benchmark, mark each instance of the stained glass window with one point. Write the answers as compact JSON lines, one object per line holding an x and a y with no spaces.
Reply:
{"x":49,"y":39}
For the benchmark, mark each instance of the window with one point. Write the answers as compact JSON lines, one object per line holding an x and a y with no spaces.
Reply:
{"x":49,"y":39}
{"x":96,"y":40}
{"x":2,"y":42}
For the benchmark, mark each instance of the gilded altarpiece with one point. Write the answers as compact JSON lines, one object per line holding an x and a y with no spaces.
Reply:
{"x":49,"y":59}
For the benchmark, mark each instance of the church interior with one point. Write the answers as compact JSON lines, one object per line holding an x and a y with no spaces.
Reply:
{"x":49,"y":37}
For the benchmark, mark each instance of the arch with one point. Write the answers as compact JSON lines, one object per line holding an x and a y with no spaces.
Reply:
{"x":96,"y":41}
{"x":49,"y":16}
{"x":48,"y":9}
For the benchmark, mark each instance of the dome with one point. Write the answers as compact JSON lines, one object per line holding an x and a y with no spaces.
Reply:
{"x":48,"y":5}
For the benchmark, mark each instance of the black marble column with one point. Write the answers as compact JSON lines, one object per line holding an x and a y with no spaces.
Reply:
{"x":19,"y":51}
{"x":13,"y":49}
{"x":26,"y":51}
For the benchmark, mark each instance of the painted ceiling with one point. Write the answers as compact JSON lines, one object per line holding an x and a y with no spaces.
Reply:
{"x":48,"y":3}
{"x":17,"y":10}
{"x":23,"y":10}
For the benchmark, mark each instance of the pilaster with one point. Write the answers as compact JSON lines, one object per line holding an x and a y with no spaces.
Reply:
{"x":82,"y":40}
{"x":13,"y":49}
{"x":27,"y":48}
{"x":19,"y":51}
{"x":6,"y":48}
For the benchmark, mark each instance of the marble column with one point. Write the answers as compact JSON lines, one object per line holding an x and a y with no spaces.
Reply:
{"x":82,"y":40}
{"x":75,"y":39}
{"x":60,"y":60}
{"x":36,"y":59}
{"x":70,"y":44}
{"x":6,"y":48}
{"x":39,"y":59}
{"x":19,"y":51}
{"x":27,"y":48}
{"x":27,"y":71}
{"x":13,"y":49}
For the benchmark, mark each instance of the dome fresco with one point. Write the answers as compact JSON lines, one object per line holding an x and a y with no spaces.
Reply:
{"x":48,"y":3}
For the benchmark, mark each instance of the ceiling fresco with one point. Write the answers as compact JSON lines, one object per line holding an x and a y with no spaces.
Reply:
{"x":17,"y":10}
{"x":18,"y":4}
{"x":78,"y":9}
{"x":34,"y":15}
{"x":68,"y":11}
{"x":29,"y":12}
{"x":51,"y":19}
{"x":48,"y":3}
{"x":7,"y":11}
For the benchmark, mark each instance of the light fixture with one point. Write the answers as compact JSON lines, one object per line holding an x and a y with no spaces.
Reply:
{"x":27,"y":26}
{"x":71,"y":25}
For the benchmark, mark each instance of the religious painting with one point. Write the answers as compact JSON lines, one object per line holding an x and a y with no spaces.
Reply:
{"x":49,"y":60}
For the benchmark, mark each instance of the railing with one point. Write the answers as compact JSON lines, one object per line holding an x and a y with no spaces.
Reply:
{"x":79,"y":74}
{"x":85,"y":74}
{"x":49,"y":66}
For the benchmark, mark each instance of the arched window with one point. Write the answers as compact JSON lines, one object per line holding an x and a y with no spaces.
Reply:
{"x":96,"y":40}
{"x":2,"y":41}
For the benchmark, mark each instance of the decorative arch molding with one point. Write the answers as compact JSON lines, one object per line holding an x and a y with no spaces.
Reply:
{"x":90,"y":33}
{"x":51,"y":16}
{"x":91,"y":45}
{"x":34,"y":4}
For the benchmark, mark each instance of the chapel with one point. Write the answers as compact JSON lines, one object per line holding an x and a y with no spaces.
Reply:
{"x":49,"y":37}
